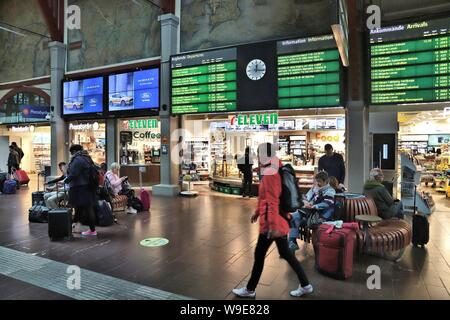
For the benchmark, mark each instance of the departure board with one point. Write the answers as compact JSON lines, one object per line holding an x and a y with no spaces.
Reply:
{"x":308,"y":73}
{"x":204,"y":82}
{"x":410,"y":63}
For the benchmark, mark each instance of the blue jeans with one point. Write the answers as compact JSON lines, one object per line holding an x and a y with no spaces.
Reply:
{"x":295,"y":224}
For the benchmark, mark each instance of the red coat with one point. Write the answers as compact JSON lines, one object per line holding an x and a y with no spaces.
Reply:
{"x":269,"y":199}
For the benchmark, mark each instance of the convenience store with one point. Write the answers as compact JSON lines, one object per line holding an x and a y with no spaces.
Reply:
{"x":285,"y":92}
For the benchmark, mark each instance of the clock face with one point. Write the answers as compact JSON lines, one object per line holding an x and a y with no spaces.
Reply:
{"x":256,"y":69}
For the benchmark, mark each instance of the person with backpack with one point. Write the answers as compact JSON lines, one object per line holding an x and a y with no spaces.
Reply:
{"x":19,"y":151}
{"x":13,"y":159}
{"x":82,"y":177}
{"x":273,"y":225}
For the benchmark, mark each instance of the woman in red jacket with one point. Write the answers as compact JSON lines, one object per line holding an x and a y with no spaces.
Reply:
{"x":272,"y":226}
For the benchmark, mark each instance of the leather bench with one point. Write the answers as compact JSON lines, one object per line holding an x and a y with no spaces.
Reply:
{"x":119,"y":203}
{"x":383,"y":238}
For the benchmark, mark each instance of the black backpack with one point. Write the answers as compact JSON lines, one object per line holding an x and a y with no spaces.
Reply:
{"x":290,"y":199}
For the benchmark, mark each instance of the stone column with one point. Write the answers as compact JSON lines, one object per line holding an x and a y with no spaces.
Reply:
{"x":59,"y":134}
{"x":169,"y":167}
{"x":111,"y":141}
{"x":357,"y":145}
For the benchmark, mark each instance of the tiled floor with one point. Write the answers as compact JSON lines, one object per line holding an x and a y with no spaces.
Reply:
{"x":211,"y":251}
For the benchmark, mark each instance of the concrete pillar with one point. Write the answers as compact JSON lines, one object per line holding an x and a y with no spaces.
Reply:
{"x":111,"y":141}
{"x":169,"y":167}
{"x":357,"y":145}
{"x":59,"y":134}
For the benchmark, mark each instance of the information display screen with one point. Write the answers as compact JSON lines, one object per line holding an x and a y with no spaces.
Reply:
{"x":308,"y":73}
{"x":410,"y":63}
{"x":204,"y":82}
{"x":83,"y":96}
{"x":137,"y":90}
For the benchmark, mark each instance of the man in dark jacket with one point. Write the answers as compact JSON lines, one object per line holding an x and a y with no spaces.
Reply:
{"x":13,"y":159}
{"x":333,"y":164}
{"x":386,"y":205}
{"x":81,"y":193}
{"x":19,"y":151}
{"x":246,"y":167}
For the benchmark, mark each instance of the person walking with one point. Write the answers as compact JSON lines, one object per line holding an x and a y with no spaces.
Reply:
{"x":333,"y":164}
{"x":272,"y":226}
{"x":81,"y":191}
{"x":13,"y":160}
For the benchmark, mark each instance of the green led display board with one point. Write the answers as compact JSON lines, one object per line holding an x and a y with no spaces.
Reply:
{"x":204,"y":82}
{"x":410,"y":63}
{"x":308,"y":73}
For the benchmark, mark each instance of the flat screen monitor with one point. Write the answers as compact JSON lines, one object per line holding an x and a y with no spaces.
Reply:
{"x":137,"y":90}
{"x":436,"y":140}
{"x":83,"y":96}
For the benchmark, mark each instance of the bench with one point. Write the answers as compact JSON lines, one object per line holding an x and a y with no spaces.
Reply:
{"x":387,"y":238}
{"x":119,"y":203}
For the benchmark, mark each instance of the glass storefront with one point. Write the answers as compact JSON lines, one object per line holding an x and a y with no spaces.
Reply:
{"x":92,"y":136}
{"x":34,"y":141}
{"x":212,"y":147}
{"x":139,"y":144}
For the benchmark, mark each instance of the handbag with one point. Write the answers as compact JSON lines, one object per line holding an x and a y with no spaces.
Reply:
{"x":311,"y":218}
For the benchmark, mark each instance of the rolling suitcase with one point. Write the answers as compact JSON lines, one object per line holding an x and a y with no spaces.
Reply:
{"x":60,"y":223}
{"x":22,"y":177}
{"x":333,"y":250}
{"x":144,"y":195}
{"x":421,"y":227}
{"x":37,"y":197}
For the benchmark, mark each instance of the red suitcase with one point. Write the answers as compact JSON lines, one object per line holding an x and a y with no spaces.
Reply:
{"x":22,"y":177}
{"x":333,"y":249}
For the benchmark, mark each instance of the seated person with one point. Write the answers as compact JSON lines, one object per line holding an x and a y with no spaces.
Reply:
{"x":53,"y":197}
{"x":102,"y":171}
{"x":115,"y":184}
{"x":320,"y":198}
{"x":334,"y":183}
{"x":386,"y":205}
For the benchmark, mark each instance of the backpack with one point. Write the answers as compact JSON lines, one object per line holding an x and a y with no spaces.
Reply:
{"x":290,"y":199}
{"x":93,"y":174}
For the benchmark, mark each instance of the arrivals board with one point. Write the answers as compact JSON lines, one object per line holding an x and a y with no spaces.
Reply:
{"x":308,"y":73}
{"x":410,"y":63}
{"x":204,"y":82}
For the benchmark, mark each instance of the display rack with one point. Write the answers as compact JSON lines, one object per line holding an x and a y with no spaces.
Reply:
{"x":305,"y":176}
{"x":41,"y":153}
{"x":297,"y":145}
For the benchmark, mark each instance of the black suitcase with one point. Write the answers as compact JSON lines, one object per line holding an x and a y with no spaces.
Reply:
{"x":3,"y":178}
{"x":421,"y":226}
{"x":60,"y":223}
{"x":421,"y":230}
{"x":37,"y":197}
{"x":104,"y":214}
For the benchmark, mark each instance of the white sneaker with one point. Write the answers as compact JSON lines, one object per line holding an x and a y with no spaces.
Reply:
{"x":302,"y":290}
{"x":244,"y":293}
{"x":132,"y":210}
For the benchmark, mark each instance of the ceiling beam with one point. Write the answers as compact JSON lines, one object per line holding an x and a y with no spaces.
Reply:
{"x":53,"y":13}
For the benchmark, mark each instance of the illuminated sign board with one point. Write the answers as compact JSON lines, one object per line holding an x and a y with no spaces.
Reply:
{"x":410,"y":63}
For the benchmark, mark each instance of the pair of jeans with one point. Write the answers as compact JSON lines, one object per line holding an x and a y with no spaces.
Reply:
{"x":52,"y":198}
{"x":260,"y":255}
{"x":85,"y":214}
